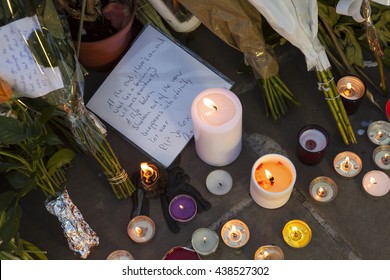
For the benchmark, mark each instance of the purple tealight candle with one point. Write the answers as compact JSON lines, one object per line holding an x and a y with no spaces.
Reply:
{"x":182,"y":208}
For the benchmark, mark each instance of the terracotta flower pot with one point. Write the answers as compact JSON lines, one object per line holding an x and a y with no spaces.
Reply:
{"x":103,"y":55}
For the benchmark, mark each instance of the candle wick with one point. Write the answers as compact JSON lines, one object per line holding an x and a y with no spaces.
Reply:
{"x":219,"y":184}
{"x":272,"y":180}
{"x":215,"y":107}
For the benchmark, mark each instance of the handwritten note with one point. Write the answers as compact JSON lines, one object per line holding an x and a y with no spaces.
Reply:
{"x":148,"y":96}
{"x":17,"y":64}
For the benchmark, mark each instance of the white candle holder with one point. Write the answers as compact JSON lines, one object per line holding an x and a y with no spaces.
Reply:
{"x":347,"y":164}
{"x":284,"y":174}
{"x":217,"y":122}
{"x":205,"y":241}
{"x":379,"y":132}
{"x":219,"y":182}
{"x":235,"y":233}
{"x":323,"y":189}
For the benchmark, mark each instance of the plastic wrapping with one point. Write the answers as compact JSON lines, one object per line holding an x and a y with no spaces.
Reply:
{"x":80,"y":236}
{"x":38,"y":60}
{"x":239,"y":25}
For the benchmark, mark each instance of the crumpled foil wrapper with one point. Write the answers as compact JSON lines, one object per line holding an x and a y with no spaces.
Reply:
{"x":81,"y":238}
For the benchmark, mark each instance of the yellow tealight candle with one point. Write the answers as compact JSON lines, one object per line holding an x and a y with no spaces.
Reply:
{"x":297,"y":233}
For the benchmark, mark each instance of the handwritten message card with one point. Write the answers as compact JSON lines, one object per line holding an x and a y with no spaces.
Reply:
{"x":17,"y":64}
{"x":148,"y":96}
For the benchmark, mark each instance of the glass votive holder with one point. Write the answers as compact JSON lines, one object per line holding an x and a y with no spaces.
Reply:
{"x":352,"y":91}
{"x":235,"y":233}
{"x":313,"y":140}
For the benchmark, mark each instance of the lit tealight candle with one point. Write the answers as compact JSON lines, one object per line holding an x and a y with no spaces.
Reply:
{"x":323,"y":189}
{"x":217,"y":121}
{"x":381,"y":157}
{"x":219,"y":182}
{"x":347,"y":164}
{"x":152,"y":179}
{"x":379,"y":132}
{"x":376,"y":183}
{"x":141,"y":229}
{"x":205,"y":241}
{"x":269,"y":252}
{"x":235,"y":233}
{"x":352,"y":90}
{"x":272,"y":180}
{"x":120,"y":255}
{"x":182,"y":208}
{"x":297,"y":233}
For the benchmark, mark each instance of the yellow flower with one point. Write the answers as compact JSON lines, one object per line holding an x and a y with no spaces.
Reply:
{"x":5,"y":91}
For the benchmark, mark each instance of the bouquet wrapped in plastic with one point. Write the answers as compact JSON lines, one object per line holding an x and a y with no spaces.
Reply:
{"x":297,"y":22}
{"x":239,"y":25}
{"x":38,"y":61}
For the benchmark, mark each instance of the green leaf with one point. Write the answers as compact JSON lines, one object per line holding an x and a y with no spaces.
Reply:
{"x":6,"y":166}
{"x":19,"y":180}
{"x":34,"y":250}
{"x":12,"y":131}
{"x":59,"y":159}
{"x":52,"y":22}
{"x":6,"y":198}
{"x":52,"y":139}
{"x":34,"y":129}
{"x":11,"y":225}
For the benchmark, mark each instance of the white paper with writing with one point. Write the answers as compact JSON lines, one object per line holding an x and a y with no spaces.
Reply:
{"x":148,"y":96}
{"x":17,"y":65}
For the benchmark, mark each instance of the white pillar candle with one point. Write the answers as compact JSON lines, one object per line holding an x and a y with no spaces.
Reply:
{"x":217,"y":122}
{"x":274,"y":189}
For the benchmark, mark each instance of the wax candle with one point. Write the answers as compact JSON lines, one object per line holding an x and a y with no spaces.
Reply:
{"x":217,"y":123}
{"x":312,"y":142}
{"x":297,"y":233}
{"x":120,"y":255}
{"x":219,"y":182}
{"x":352,"y":90}
{"x":205,"y":241}
{"x":182,"y":208}
{"x":235,"y":233}
{"x":323,"y":189}
{"x":141,"y":229}
{"x":347,"y":164}
{"x":376,"y":183}
{"x":272,"y":180}
{"x":152,"y":179}
{"x":379,"y":132}
{"x":269,"y":252}
{"x":381,"y":157}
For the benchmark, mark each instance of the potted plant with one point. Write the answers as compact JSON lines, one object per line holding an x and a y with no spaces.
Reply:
{"x":101,"y":29}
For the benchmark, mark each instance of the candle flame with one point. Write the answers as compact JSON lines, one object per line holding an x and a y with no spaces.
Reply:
{"x":346,"y":162}
{"x":321,"y":192}
{"x":294,"y":229}
{"x":181,"y":206}
{"x":234,"y":228}
{"x":204,"y":239}
{"x":138,"y":231}
{"x":269,"y":176}
{"x":372,"y":180}
{"x":349,"y":86}
{"x":210,"y":103}
{"x":147,"y":172}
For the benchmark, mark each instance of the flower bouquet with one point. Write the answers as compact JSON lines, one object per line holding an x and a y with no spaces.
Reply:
{"x":297,"y":22}
{"x":38,"y":60}
{"x":239,"y":25}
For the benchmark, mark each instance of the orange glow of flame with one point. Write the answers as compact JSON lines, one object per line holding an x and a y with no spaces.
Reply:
{"x":349,"y":86}
{"x":138,"y":231}
{"x":181,"y":206}
{"x":372,"y":180}
{"x":269,"y":176}
{"x":147,"y":172}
